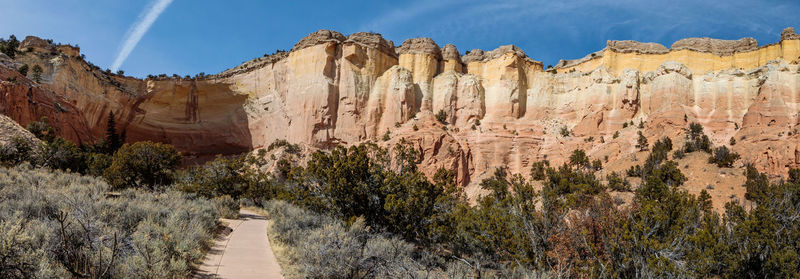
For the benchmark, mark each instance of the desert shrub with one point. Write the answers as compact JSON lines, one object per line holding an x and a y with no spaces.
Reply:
{"x":239,"y":177}
{"x":61,"y":154}
{"x":441,"y":116}
{"x":42,"y":129}
{"x":97,"y":163}
{"x":226,"y":206}
{"x":73,"y":228}
{"x":679,"y":154}
{"x":16,"y":151}
{"x":723,"y":157}
{"x":143,"y":165}
{"x":618,"y":183}
{"x":565,"y":131}
{"x":290,"y":148}
{"x":320,"y":246}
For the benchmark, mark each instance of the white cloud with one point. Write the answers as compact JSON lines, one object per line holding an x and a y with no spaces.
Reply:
{"x":138,"y":29}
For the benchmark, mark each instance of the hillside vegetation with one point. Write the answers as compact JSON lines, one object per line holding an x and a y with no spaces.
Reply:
{"x":367,"y":212}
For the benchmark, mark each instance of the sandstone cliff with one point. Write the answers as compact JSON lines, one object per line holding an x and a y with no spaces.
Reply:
{"x":502,"y":108}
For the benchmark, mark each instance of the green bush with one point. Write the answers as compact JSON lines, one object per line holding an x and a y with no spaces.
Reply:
{"x":42,"y":129}
{"x":618,"y":183}
{"x":441,"y":116}
{"x":18,"y":150}
{"x":143,"y":165}
{"x":61,"y":154}
{"x":539,"y":170}
{"x":565,"y":132}
{"x":290,"y":148}
{"x":723,"y":157}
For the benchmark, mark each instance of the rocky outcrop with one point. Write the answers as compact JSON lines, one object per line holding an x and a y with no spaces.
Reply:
{"x":319,"y":37}
{"x":35,"y":44}
{"x":24,"y":101}
{"x":10,"y":129}
{"x":501,"y":108}
{"x":420,"y":46}
{"x":372,"y":40}
{"x":716,"y":46}
{"x":629,"y":46}
{"x":789,"y":34}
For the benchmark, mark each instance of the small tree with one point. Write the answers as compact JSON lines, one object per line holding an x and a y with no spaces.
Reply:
{"x":42,"y":129}
{"x":597,"y":165}
{"x":732,"y":141}
{"x":618,"y":183}
{"x":143,"y":165}
{"x":113,"y":140}
{"x":10,"y":46}
{"x":23,"y":70}
{"x":579,"y":159}
{"x":641,"y":143}
{"x":15,"y":152}
{"x":696,"y":139}
{"x":37,"y":73}
{"x":539,"y":170}
{"x":723,"y":157}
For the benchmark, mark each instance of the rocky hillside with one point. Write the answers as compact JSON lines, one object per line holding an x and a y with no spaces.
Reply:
{"x":496,"y":108}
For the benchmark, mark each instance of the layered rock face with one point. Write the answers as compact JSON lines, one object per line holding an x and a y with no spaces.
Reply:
{"x":502,"y":108}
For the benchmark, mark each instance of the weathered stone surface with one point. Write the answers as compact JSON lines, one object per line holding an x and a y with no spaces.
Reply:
{"x":372,"y":40}
{"x":450,"y":52}
{"x":569,"y":63}
{"x":716,"y":46}
{"x":35,"y":44}
{"x":475,"y":55}
{"x":319,"y":37}
{"x":420,"y":46}
{"x":789,"y":34}
{"x":629,"y":46}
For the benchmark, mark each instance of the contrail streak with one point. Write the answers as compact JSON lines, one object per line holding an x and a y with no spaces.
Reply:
{"x":137,"y":31}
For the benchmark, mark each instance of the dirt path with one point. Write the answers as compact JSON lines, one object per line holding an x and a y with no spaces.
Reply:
{"x":242,"y":251}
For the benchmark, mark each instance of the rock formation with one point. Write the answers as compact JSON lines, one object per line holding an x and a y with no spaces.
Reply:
{"x":502,"y":108}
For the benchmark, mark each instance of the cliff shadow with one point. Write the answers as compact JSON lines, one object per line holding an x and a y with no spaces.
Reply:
{"x":201,"y":118}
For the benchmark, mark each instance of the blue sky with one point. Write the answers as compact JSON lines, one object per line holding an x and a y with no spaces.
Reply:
{"x":209,"y":36}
